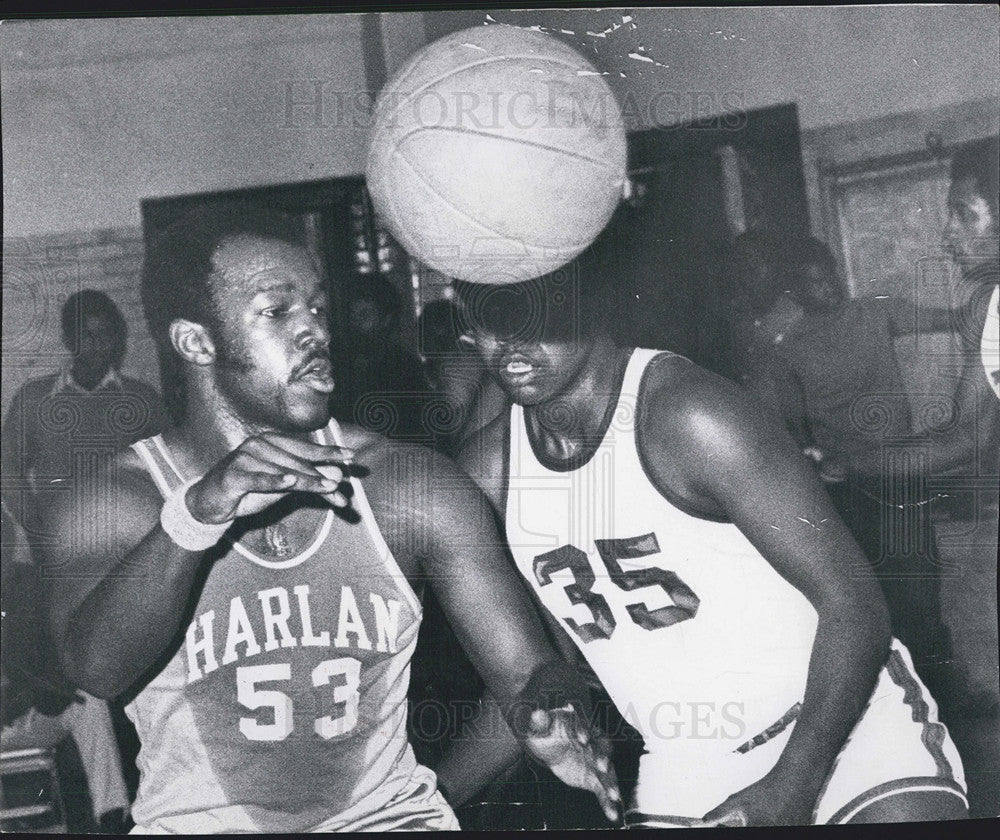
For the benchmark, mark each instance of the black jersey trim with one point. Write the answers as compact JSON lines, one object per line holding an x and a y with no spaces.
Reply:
{"x":894,"y":788}
{"x":583,"y":457}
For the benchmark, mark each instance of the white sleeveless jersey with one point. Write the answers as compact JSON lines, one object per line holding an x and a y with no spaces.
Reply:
{"x":700,"y":643}
{"x":990,"y":344}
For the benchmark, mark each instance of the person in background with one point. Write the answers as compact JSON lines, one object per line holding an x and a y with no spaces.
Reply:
{"x":763,"y":309}
{"x":58,"y":424}
{"x":385,"y":387}
{"x":62,"y":427}
{"x":965,"y":453}
{"x":835,"y":382}
{"x":972,"y":235}
{"x":39,"y":708}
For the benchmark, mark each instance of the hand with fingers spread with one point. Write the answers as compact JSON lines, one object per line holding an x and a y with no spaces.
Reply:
{"x":264,"y":468}
{"x":578,"y":755}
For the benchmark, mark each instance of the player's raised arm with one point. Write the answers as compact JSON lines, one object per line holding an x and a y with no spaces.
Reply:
{"x":121,"y":578}
{"x":476,"y":757}
{"x":544,"y":700}
{"x":760,"y":482}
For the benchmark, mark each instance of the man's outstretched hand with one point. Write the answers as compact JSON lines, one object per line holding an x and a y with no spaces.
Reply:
{"x":565,"y":743}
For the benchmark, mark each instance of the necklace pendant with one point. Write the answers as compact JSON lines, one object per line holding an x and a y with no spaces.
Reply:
{"x":277,"y":539}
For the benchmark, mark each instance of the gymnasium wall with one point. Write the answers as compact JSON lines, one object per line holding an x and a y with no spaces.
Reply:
{"x":838,"y":64}
{"x":96,"y":118}
{"x":97,"y":115}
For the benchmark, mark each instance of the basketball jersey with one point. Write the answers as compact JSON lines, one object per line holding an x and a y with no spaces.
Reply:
{"x":989,"y":346}
{"x":699,"y":642}
{"x":285,"y":702}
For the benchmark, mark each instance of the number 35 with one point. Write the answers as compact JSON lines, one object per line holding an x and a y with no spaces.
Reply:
{"x":252,"y":697}
{"x":685,"y":602}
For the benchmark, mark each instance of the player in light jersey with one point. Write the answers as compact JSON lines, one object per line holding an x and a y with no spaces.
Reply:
{"x":685,"y":548}
{"x":262,"y":618}
{"x":972,"y":235}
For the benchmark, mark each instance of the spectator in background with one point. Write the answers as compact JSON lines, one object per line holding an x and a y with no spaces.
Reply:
{"x":381,"y":386}
{"x":456,"y":373}
{"x":970,"y":451}
{"x":763,"y":309}
{"x":58,"y":432}
{"x":835,"y":382}
{"x":967,"y":452}
{"x":59,"y":425}
{"x":972,"y":234}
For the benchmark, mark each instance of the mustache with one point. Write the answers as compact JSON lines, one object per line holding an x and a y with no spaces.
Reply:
{"x":316,"y":355}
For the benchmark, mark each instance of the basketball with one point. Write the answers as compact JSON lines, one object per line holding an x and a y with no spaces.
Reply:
{"x":497,"y":154}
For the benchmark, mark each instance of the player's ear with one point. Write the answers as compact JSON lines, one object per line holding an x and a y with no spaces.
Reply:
{"x":192,"y":341}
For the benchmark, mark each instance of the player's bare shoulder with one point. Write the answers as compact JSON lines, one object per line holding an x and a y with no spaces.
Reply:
{"x":420,"y":498}
{"x":691,"y":404}
{"x":99,"y":522}
{"x":119,"y":504}
{"x":483,"y":454}
{"x":395,"y":473}
{"x":691,"y":422}
{"x":399,"y":478}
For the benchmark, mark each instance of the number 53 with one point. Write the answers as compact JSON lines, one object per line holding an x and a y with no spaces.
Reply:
{"x":685,"y":602}
{"x":249,"y":695}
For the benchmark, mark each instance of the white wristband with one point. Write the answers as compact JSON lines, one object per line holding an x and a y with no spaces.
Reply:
{"x":183,"y":528}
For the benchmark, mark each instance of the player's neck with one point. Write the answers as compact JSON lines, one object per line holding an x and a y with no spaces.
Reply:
{"x":87,"y":378}
{"x":576,"y":417}
{"x":211,"y":429}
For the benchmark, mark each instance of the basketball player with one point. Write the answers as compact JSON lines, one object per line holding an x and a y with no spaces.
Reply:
{"x":257,"y":601}
{"x":686,"y":549}
{"x":972,"y":235}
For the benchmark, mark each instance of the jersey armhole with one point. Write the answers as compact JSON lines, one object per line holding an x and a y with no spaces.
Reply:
{"x":666,"y":492}
{"x":332,"y":432}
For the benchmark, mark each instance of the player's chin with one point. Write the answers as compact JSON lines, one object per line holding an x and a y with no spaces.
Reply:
{"x":527,"y":394}
{"x":308,"y":416}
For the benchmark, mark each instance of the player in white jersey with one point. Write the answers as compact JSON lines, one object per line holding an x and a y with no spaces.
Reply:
{"x":684,"y":547}
{"x":263,"y":616}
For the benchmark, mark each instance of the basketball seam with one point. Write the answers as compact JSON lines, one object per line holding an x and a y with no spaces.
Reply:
{"x":432,"y":188}
{"x":483,"y":61}
{"x":477,"y":133}
{"x":472,"y":219}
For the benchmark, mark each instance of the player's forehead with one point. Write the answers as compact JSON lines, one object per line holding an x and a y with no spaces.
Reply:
{"x":250,"y":263}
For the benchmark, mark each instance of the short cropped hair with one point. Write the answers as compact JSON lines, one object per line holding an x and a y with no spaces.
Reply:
{"x":980,"y":160}
{"x":510,"y":309}
{"x":176,"y":272}
{"x":770,"y":248}
{"x":92,"y":302}
{"x":439,"y":327}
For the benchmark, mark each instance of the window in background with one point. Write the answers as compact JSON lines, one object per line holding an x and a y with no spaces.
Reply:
{"x":890,"y":220}
{"x":886,"y":217}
